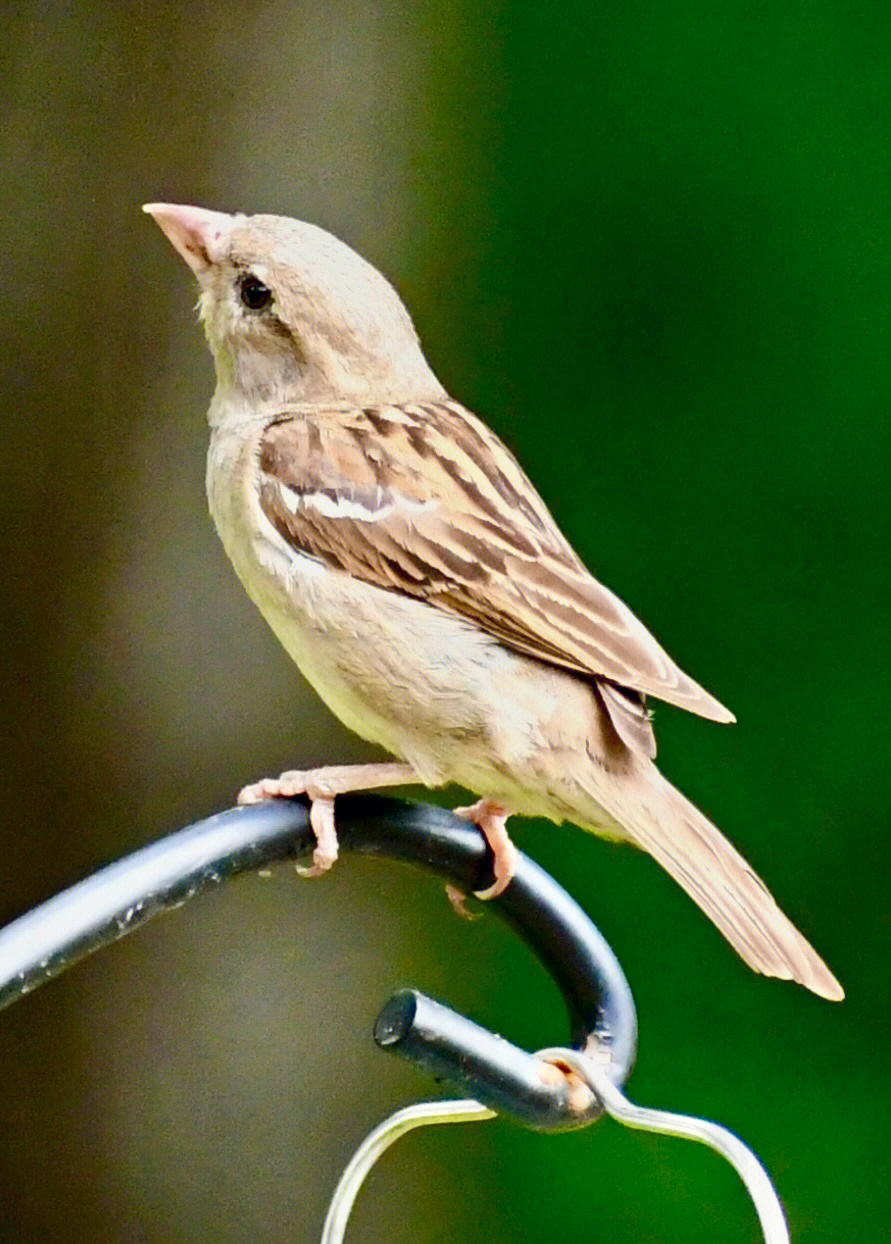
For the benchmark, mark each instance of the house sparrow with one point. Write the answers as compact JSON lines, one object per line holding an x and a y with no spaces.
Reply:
{"x":412,"y":572}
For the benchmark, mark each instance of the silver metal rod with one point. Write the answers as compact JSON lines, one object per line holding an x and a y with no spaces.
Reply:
{"x":377,"y":1142}
{"x":758,"y":1184}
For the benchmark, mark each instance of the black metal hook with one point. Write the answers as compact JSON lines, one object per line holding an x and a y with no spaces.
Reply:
{"x":122,"y":897}
{"x":557,"y":1089}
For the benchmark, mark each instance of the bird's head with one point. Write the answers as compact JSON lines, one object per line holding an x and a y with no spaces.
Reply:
{"x":294,"y":315}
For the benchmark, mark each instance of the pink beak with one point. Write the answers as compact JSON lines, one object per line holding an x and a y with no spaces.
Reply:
{"x":198,"y":235}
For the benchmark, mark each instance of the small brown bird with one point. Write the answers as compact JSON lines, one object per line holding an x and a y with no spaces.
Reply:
{"x":412,"y":572}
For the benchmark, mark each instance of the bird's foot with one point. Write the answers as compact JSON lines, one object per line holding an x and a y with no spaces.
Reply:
{"x":321,"y":786}
{"x":491,"y":818}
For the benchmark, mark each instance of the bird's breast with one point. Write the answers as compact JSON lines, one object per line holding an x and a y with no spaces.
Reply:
{"x":391,"y":667}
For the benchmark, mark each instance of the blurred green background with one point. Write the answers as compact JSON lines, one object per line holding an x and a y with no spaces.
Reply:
{"x":648,"y":243}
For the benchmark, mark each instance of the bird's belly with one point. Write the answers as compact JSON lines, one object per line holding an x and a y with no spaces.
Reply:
{"x":394,"y":670}
{"x":443,"y":695}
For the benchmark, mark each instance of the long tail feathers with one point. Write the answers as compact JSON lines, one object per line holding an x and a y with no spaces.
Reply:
{"x":718,"y":879}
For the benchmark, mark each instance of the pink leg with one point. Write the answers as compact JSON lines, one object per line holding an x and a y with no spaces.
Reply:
{"x":322,"y":785}
{"x":491,"y":817}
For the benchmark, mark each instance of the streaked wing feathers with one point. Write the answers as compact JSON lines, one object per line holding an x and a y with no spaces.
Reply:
{"x":425,"y":500}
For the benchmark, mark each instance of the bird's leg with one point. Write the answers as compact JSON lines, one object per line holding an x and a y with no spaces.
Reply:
{"x":491,"y":818}
{"x":321,"y":786}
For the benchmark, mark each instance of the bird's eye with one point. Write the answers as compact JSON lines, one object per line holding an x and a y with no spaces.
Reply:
{"x":254,"y":294}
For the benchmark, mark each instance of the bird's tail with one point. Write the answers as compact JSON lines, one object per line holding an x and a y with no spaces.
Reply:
{"x":659,"y":819}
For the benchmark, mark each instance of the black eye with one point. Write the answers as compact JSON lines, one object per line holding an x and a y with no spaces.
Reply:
{"x":254,"y":294}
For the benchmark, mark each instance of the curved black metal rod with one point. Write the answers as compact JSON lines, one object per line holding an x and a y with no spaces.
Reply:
{"x":125,"y":895}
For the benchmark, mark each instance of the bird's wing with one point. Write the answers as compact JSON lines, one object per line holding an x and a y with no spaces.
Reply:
{"x":425,"y":500}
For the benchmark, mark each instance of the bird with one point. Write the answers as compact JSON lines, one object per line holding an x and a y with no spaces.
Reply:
{"x":410,"y":569}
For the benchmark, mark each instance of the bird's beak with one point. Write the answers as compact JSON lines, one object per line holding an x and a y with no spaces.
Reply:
{"x":201,"y":237}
